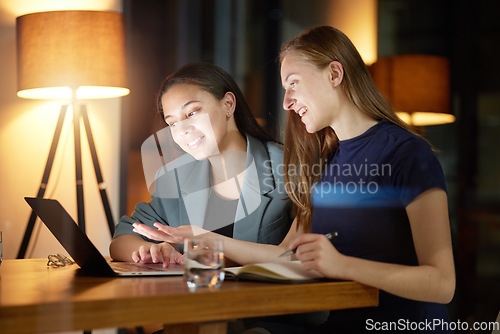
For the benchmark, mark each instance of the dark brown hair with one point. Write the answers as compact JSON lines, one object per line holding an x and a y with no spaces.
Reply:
{"x":217,"y":82}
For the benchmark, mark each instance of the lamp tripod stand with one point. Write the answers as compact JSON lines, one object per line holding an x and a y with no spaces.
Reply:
{"x":77,"y":115}
{"x":58,"y":53}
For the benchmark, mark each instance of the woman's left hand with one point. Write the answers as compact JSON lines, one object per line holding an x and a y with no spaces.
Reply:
{"x":316,"y":252}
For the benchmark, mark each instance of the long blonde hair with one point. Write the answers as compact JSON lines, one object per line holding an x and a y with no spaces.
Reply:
{"x":306,"y":155}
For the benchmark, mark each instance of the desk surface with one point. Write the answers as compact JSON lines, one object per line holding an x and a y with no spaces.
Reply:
{"x":35,"y":298}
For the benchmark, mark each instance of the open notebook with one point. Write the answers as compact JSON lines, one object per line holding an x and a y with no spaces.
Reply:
{"x":283,"y":272}
{"x":83,"y":251}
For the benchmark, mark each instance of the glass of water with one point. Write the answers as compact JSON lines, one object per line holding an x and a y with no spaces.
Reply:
{"x":204,"y":262}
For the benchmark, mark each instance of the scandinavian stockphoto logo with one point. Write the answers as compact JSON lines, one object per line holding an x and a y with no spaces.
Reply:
{"x":355,"y":185}
{"x":353,"y":178}
{"x":362,"y":177}
{"x":183,"y":166}
{"x":342,"y":184}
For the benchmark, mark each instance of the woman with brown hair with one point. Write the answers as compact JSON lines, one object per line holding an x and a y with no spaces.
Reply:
{"x":225,"y":180}
{"x":379,"y":186}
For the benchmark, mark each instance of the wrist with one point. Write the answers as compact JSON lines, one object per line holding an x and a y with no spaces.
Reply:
{"x":210,"y":235}
{"x":345,"y":265}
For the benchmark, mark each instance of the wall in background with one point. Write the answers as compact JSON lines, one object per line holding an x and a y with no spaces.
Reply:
{"x":243,"y":37}
{"x":26,"y":130}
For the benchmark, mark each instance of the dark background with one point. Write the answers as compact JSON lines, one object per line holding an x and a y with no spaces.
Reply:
{"x":244,"y":37}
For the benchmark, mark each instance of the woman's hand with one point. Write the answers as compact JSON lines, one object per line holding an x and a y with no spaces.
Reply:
{"x":162,"y":252}
{"x":180,"y":233}
{"x":167,"y":233}
{"x":151,"y":233}
{"x":316,"y":252}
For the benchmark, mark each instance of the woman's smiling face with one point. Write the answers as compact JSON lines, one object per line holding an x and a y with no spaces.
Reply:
{"x":308,"y":92}
{"x":197,"y":120}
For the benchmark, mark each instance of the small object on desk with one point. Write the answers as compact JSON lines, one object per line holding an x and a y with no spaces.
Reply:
{"x":204,"y":263}
{"x":58,"y":260}
{"x":329,"y":236}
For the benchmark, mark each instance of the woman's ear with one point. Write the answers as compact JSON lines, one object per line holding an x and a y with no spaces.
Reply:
{"x":229,"y":103}
{"x":336,"y":73}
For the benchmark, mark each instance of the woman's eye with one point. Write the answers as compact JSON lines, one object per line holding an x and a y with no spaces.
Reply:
{"x":293,"y":84}
{"x":192,"y":113}
{"x":173,"y":124}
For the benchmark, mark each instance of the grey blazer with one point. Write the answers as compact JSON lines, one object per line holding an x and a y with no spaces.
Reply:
{"x":182,"y":187}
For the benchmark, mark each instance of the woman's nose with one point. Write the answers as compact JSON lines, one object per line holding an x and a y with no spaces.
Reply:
{"x":288,"y":102}
{"x":187,"y":129}
{"x":184,"y":128}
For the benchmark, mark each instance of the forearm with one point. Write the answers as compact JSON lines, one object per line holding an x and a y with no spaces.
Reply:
{"x":121,"y":247}
{"x":244,"y":252}
{"x":423,"y":282}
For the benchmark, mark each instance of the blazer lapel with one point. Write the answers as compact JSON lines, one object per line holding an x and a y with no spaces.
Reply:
{"x":258,"y":181}
{"x":194,"y":186}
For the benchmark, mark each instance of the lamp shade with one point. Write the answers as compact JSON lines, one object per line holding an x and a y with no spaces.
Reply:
{"x":61,"y":51}
{"x":417,"y":86}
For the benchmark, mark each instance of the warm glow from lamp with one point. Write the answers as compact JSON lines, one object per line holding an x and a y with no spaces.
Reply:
{"x":425,"y":118}
{"x":82,"y":93}
{"x":417,"y":86}
{"x":358,"y":20}
{"x":21,"y":7}
{"x":59,"y":51}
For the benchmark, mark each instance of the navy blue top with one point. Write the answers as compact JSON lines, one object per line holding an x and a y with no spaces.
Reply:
{"x":362,"y":195}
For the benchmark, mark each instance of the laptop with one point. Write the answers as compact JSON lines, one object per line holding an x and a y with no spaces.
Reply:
{"x":83,"y":251}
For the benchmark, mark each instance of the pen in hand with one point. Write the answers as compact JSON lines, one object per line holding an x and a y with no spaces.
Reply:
{"x":330,"y":236}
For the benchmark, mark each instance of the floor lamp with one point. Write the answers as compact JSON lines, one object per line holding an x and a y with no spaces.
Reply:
{"x":417,"y":86}
{"x":71,"y":55}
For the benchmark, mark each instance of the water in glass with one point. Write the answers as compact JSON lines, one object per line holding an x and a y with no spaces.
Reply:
{"x":204,"y":263}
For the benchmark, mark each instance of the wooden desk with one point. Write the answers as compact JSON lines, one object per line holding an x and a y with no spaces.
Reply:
{"x":34,"y":298}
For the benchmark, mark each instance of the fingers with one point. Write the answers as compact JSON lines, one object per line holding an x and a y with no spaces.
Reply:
{"x":166,"y":251}
{"x":167,"y":233}
{"x":165,"y":228}
{"x":148,"y":232}
{"x":316,"y":252}
{"x":313,"y":250}
{"x":156,"y":253}
{"x":143,"y":253}
{"x":310,"y":255}
{"x":173,"y":234}
{"x":302,"y":239}
{"x":141,"y":229}
{"x":136,"y":257}
{"x":170,"y":255}
{"x":176,"y":257}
